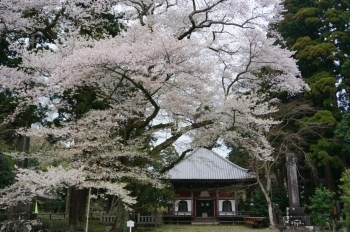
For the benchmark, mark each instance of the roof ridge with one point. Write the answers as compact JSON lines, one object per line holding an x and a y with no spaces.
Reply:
{"x":226,"y":160}
{"x":195,"y":166}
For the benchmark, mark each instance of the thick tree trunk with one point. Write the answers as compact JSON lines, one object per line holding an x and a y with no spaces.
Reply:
{"x":109,"y":204}
{"x":22,"y":145}
{"x":77,"y":208}
{"x":280,"y":172}
{"x":21,"y":210}
{"x":272,"y":220}
{"x":329,"y":177}
{"x":88,"y":210}
{"x":266,"y":192}
{"x":69,"y":190}
{"x":265,"y":188}
{"x":121,"y":219}
{"x":343,"y":159}
{"x":315,"y":178}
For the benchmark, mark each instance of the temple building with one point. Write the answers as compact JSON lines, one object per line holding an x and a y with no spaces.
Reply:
{"x":206,"y":186}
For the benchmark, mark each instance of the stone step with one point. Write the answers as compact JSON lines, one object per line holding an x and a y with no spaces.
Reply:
{"x":205,"y":223}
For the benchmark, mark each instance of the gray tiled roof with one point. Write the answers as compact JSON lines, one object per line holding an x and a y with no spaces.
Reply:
{"x":203,"y":164}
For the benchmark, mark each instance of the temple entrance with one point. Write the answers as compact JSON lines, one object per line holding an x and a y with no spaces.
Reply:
{"x":204,"y":208}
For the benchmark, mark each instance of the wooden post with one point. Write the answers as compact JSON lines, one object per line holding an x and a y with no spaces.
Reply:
{"x":88,"y":211}
{"x":292,"y":176}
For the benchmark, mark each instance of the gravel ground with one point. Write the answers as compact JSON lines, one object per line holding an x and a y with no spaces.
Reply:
{"x":209,"y":228}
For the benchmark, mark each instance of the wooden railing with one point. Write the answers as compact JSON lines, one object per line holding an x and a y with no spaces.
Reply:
{"x":62,"y":216}
{"x":102,"y":217}
{"x":107,"y":219}
{"x":178,"y":213}
{"x":53,"y":216}
{"x":145,"y":219}
{"x":220,"y":213}
{"x":233,"y":213}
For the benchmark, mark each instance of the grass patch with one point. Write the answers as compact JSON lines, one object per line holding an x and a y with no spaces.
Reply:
{"x":207,"y":228}
{"x":58,"y":225}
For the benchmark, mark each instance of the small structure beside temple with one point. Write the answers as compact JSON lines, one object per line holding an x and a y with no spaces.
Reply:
{"x":206,"y":186}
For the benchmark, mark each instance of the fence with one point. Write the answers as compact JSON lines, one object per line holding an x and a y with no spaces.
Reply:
{"x":62,"y":216}
{"x":53,"y":216}
{"x":107,"y":219}
{"x":145,"y":219}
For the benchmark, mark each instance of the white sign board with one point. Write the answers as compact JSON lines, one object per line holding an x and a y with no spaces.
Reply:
{"x":130,"y":224}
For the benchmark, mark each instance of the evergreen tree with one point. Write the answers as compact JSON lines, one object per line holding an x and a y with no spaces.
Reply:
{"x":318,"y":32}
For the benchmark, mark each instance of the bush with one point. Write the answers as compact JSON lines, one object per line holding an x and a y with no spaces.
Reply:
{"x":321,"y":204}
{"x":345,"y":198}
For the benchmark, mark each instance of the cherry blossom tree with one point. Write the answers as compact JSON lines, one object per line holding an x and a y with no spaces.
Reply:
{"x":180,"y":68}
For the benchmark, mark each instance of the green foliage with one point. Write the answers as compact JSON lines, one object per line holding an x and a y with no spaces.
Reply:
{"x":322,"y":153}
{"x":342,"y":133}
{"x":79,"y":103}
{"x":32,"y":114}
{"x":345,"y":198}
{"x":7,"y":106}
{"x":332,"y":16}
{"x":165,"y":157}
{"x":322,"y":85}
{"x":321,"y":204}
{"x":60,"y":224}
{"x":258,"y":205}
{"x":318,"y":32}
{"x":239,"y":157}
{"x":6,"y":171}
{"x":155,"y":199}
{"x":56,"y":205}
{"x":306,"y":13}
{"x":7,"y":103}
{"x":7,"y":57}
{"x":323,"y":92}
{"x":317,"y":57}
{"x":346,"y":68}
{"x":110,"y":26}
{"x":321,"y":117}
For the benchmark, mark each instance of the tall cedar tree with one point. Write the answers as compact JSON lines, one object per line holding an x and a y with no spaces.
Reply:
{"x":318,"y":31}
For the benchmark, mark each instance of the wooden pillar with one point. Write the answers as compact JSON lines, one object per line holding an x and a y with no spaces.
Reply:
{"x":193,"y":204}
{"x":292,"y":176}
{"x":216,"y":210}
